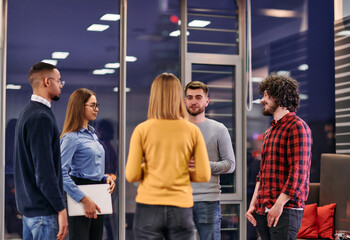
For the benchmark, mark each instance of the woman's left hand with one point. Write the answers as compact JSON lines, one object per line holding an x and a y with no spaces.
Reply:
{"x":111,"y":183}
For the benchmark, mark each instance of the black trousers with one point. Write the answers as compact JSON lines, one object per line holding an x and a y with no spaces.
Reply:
{"x":287,"y":227}
{"x":81,"y":227}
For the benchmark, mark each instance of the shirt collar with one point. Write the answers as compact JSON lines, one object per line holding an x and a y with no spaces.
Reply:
{"x":283,"y":119}
{"x":90,"y":129}
{"x":37,"y":98}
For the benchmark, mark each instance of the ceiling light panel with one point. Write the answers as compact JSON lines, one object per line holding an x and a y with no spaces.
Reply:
{"x":103,"y":71}
{"x":50,"y":61}
{"x":177,"y":33}
{"x":59,"y":55}
{"x":116,"y":89}
{"x":13,"y":86}
{"x":131,"y":59}
{"x":98,"y":27}
{"x":110,"y":17}
{"x":280,"y":13}
{"x":198,"y":23}
{"x":112,"y":65}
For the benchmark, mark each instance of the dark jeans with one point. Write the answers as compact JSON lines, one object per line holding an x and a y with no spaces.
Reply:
{"x":81,"y":227}
{"x":159,"y":222}
{"x":207,"y":217}
{"x":287,"y":227}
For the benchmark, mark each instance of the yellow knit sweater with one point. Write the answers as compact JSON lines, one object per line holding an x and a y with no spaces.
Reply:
{"x":159,"y":153}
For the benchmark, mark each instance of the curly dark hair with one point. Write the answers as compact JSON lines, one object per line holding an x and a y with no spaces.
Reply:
{"x":283,"y":89}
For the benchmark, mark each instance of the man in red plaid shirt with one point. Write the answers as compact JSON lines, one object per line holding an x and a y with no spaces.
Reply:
{"x":282,"y":184}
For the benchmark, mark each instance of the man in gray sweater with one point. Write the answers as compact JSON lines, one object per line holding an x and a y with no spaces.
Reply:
{"x":206,"y":196}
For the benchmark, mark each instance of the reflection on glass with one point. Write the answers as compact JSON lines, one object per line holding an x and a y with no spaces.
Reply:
{"x":37,"y":31}
{"x":294,"y":38}
{"x":230,"y":221}
{"x":212,"y":27}
{"x":156,"y":51}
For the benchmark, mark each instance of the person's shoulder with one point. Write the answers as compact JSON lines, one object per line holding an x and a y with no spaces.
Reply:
{"x":297,"y":122}
{"x":38,"y":115}
{"x":187,"y":124}
{"x":70,"y":136}
{"x":295,"y":119}
{"x":144,"y":124}
{"x":215,"y":124}
{"x":32,"y":108}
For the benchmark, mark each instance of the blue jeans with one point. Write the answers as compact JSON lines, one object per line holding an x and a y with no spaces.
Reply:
{"x":207,"y":217}
{"x":162,"y":222}
{"x":287,"y":227}
{"x":40,"y":227}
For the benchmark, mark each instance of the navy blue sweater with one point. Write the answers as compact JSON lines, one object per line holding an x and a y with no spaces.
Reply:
{"x":37,"y":162}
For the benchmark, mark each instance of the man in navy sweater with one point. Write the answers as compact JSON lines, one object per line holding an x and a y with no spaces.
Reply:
{"x":37,"y":159}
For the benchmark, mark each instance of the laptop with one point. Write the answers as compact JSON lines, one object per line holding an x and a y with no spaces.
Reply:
{"x":98,"y":193}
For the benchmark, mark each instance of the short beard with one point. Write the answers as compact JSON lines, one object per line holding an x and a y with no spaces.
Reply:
{"x":55,"y":98}
{"x":269,"y":112}
{"x":195,"y":113}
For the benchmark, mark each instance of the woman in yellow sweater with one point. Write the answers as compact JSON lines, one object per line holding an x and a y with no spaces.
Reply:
{"x":159,"y":154}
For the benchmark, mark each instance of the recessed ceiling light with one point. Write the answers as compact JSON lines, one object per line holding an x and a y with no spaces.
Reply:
{"x":13,"y":86}
{"x":110,"y":17}
{"x":303,"y":96}
{"x":303,"y":67}
{"x":257,"y":79}
{"x":279,"y":13}
{"x":112,"y":65}
{"x":116,"y":89}
{"x":177,"y":33}
{"x":283,"y":73}
{"x":60,"y":55}
{"x":103,"y":71}
{"x":50,"y":61}
{"x":98,"y":27}
{"x":198,"y":23}
{"x":131,"y":59}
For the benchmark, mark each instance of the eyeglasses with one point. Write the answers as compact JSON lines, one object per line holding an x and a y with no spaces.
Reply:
{"x":59,"y":81}
{"x":93,"y":106}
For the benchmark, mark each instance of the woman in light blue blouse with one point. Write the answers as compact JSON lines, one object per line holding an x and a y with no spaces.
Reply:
{"x":83,"y":162}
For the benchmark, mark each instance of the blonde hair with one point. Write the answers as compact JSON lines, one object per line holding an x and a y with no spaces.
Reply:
{"x":166,"y":98}
{"x":75,"y":110}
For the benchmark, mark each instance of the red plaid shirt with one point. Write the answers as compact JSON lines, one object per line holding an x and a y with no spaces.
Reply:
{"x":285,"y":165}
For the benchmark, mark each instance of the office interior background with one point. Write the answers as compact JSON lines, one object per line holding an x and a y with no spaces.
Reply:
{"x":117,"y":47}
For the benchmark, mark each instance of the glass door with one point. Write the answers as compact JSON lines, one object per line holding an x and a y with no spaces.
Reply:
{"x":221,"y":73}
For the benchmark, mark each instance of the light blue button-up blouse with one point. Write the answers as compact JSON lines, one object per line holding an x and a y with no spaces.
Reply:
{"x":82,"y":156}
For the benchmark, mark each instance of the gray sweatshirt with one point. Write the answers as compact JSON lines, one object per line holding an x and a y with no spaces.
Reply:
{"x":221,"y":156}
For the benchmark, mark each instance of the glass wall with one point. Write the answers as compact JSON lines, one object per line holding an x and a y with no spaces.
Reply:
{"x":293,"y":38}
{"x":288,"y":37}
{"x":61,"y":32}
{"x":150,"y":41}
{"x":214,"y":56}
